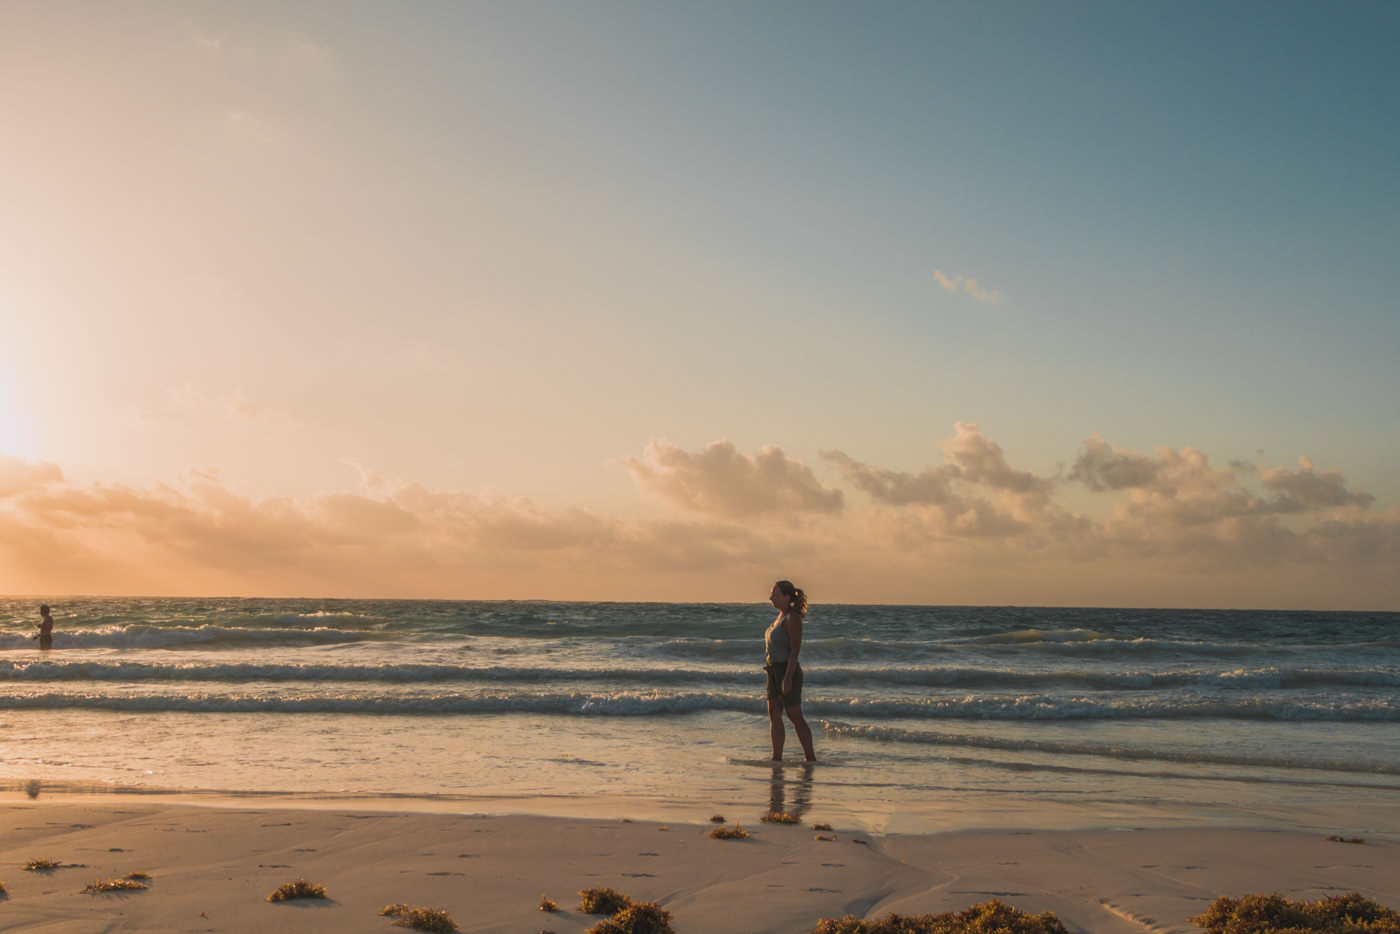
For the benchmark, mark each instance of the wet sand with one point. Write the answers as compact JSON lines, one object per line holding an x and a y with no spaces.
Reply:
{"x":213,"y":867}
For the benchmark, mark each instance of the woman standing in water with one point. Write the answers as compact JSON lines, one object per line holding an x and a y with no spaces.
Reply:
{"x":45,"y":627}
{"x":780,"y":647}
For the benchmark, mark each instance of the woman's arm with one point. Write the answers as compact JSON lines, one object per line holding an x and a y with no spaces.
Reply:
{"x":793,"y":625}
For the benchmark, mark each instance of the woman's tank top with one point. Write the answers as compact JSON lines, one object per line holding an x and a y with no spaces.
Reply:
{"x":776,"y":647}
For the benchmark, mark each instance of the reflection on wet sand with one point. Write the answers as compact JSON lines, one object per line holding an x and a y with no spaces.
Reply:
{"x":801,"y":790}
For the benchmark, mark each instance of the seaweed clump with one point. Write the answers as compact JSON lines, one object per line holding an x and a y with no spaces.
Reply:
{"x":821,"y":826}
{"x":548,"y":904}
{"x":737,"y":832}
{"x":602,"y":901}
{"x":640,"y":918}
{"x":1351,"y":913}
{"x":41,"y":865}
{"x":780,"y":817}
{"x":717,"y":819}
{"x":3,"y":890}
{"x":1339,"y":839}
{"x":127,"y":884}
{"x":299,"y":888}
{"x":993,"y":917}
{"x":420,"y":919}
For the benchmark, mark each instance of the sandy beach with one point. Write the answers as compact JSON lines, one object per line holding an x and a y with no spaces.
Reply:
{"x":213,"y":867}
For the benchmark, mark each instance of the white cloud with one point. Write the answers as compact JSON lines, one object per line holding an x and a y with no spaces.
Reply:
{"x":971,"y":287}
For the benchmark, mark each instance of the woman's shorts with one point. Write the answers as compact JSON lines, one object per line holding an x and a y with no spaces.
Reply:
{"x":776,"y":671}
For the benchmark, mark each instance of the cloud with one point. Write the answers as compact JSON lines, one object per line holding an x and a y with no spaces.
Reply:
{"x":370,"y":478}
{"x":197,"y":536}
{"x":1174,"y":529}
{"x":955,"y":284}
{"x":975,"y":493}
{"x":1102,"y":466}
{"x":896,"y":488}
{"x":1175,"y":486}
{"x":1312,"y":488}
{"x":1175,"y":504}
{"x":20,"y":476}
{"x":980,"y":460}
{"x":1170,"y":507}
{"x":720,"y":480}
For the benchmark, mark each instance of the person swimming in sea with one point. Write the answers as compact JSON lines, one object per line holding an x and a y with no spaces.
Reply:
{"x":45,"y":627}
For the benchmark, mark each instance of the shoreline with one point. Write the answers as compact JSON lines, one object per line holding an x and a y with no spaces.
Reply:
{"x":964,"y":812}
{"x":215,"y":860}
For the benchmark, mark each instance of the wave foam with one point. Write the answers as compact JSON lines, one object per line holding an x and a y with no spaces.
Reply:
{"x":627,"y":703}
{"x":963,"y":740}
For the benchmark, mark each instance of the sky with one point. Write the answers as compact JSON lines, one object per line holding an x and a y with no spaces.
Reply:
{"x":941,"y":303}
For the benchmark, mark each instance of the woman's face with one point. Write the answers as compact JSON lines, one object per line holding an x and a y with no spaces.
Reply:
{"x":779,"y":599}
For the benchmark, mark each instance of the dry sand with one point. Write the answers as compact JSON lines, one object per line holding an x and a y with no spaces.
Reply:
{"x":214,"y":867}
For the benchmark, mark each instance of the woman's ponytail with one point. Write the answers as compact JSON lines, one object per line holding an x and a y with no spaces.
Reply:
{"x":794,"y":594}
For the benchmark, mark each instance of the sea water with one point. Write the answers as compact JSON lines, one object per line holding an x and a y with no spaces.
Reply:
{"x":512,"y":705}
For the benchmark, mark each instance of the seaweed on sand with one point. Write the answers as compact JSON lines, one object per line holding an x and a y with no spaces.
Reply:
{"x":640,"y":918}
{"x":114,"y":885}
{"x":298,"y":888}
{"x":993,"y":917}
{"x":600,"y":900}
{"x":420,"y":919}
{"x":737,"y":832}
{"x":1351,"y":913}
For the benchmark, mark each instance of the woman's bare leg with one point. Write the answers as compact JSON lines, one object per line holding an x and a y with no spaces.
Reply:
{"x":803,"y":731}
{"x":775,"y":728}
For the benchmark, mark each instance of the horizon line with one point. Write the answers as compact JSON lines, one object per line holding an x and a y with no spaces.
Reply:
{"x":1016,"y":606}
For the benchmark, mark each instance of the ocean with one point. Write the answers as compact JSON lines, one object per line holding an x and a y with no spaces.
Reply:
{"x":497,"y":706}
